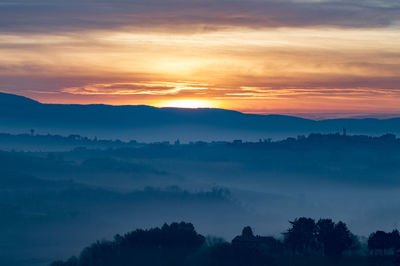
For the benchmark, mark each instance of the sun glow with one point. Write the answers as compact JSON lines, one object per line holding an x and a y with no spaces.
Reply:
{"x":187,"y":103}
{"x":258,"y":70}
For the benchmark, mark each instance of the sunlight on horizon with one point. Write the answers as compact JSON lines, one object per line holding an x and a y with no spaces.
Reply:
{"x":262,"y":70}
{"x":187,"y":103}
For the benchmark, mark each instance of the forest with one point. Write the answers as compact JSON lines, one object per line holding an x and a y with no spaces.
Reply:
{"x":305,"y":242}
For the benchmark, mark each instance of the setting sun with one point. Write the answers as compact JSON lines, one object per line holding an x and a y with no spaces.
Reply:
{"x":188,"y":103}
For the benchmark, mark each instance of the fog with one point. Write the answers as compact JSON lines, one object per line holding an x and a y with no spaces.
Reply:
{"x":59,"y":194}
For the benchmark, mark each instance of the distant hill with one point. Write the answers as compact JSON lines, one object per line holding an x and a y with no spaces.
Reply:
{"x":145,"y":123}
{"x":7,"y":100}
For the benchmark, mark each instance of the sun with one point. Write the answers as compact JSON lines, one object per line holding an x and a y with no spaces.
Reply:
{"x":187,"y":103}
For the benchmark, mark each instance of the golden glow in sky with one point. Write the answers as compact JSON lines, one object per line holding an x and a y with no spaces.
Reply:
{"x":187,"y":103}
{"x":317,"y":70}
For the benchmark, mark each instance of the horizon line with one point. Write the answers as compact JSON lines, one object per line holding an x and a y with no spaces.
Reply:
{"x":316,"y":116}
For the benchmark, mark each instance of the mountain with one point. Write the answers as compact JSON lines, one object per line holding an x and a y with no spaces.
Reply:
{"x":145,"y":123}
{"x":12,"y":100}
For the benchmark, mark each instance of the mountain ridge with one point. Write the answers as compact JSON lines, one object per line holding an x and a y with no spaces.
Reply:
{"x":148,"y":123}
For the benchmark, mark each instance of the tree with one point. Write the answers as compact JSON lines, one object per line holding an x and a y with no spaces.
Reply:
{"x":395,"y":241}
{"x":334,"y":238}
{"x":325,"y":234}
{"x":342,"y":239}
{"x":301,"y":237}
{"x":379,"y":241}
{"x":169,"y":245}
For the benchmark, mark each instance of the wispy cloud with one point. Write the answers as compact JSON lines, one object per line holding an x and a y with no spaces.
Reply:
{"x":252,"y":55}
{"x":50,"y":15}
{"x":193,"y":90}
{"x":150,"y":88}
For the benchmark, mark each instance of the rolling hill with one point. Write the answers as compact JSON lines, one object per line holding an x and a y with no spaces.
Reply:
{"x":145,"y":123}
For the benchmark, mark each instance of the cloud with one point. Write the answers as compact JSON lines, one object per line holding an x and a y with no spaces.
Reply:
{"x":136,"y":88}
{"x":262,"y":91}
{"x":256,"y":54}
{"x":189,"y":15}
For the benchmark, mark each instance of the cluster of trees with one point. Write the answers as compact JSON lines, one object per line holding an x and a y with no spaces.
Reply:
{"x":54,"y":142}
{"x":309,"y":237}
{"x":382,"y":241}
{"x":168,"y":245}
{"x":178,"y":244}
{"x":28,"y":140}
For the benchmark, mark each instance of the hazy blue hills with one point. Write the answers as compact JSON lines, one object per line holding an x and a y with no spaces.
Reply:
{"x":146,"y":123}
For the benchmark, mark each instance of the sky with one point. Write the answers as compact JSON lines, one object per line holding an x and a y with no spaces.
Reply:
{"x":312,"y":58}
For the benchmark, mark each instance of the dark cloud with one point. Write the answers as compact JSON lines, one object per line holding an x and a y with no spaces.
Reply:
{"x":54,"y":15}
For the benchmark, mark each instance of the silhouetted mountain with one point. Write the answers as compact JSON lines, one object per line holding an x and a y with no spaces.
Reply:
{"x":146,"y":123}
{"x":7,"y":100}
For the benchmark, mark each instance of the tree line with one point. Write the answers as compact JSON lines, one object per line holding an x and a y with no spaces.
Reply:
{"x":306,"y":242}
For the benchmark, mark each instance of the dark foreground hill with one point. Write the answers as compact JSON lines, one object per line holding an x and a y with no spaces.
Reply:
{"x":146,"y":123}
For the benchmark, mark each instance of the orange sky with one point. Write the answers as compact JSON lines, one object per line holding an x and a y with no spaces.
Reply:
{"x":322,"y":70}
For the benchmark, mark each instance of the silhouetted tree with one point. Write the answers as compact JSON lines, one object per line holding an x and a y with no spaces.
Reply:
{"x":342,"y":239}
{"x":98,"y":254}
{"x":178,"y":244}
{"x":325,"y":233}
{"x":301,"y":237}
{"x":334,"y":238}
{"x":379,"y":241}
{"x":395,"y":241}
{"x":166,"y":246}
